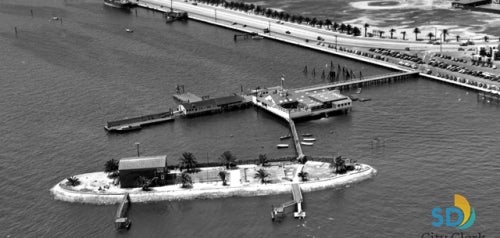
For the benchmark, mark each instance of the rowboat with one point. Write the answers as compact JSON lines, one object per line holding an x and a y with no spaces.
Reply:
{"x":309,"y":139}
{"x":307,"y":135}
{"x":306,"y":143}
{"x":282,"y":146}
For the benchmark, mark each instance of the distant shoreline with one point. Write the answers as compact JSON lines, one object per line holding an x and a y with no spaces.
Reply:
{"x":205,"y":191}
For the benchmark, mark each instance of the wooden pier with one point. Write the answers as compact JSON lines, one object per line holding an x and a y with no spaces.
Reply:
{"x":121,"y":220}
{"x":374,"y":80}
{"x":136,"y":123}
{"x":296,"y":139}
{"x":279,"y":211}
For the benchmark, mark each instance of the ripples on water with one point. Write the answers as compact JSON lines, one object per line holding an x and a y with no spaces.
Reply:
{"x":61,"y":82}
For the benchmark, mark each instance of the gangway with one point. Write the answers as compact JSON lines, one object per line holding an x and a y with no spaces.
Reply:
{"x":279,"y":211}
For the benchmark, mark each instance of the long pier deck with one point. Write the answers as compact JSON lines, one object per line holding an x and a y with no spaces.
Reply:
{"x":378,"y":79}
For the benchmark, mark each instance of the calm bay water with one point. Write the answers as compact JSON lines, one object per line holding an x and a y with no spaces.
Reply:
{"x":61,"y":82}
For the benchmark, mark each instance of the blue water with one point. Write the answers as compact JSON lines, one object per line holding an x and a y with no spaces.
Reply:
{"x":60,"y":83}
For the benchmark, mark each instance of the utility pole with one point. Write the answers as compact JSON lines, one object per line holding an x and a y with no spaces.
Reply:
{"x":336,"y":48}
{"x":137,"y":147}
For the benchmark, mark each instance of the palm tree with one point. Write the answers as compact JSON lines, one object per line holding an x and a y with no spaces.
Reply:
{"x":228,"y":159}
{"x":404,"y":34}
{"x":381,"y":33}
{"x":303,"y":175}
{"x":111,"y":166}
{"x":445,"y":32}
{"x":335,"y":26}
{"x":262,"y":175}
{"x":188,"y":161}
{"x":73,"y":181}
{"x":223,"y":177}
{"x":263,"y":160}
{"x":458,"y":38}
{"x":328,"y":23}
{"x":356,"y":31}
{"x":342,"y":27}
{"x":486,"y":38}
{"x":416,"y":31}
{"x":366,"y":27}
{"x":348,"y":28}
{"x":186,"y":180}
{"x":392,"y":32}
{"x":430,"y":35}
{"x":340,"y":167}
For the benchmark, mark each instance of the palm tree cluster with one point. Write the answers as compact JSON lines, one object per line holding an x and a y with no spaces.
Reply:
{"x":223,"y":177}
{"x":111,"y":166}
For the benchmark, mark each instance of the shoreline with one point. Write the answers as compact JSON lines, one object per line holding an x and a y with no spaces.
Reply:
{"x":206,"y":191}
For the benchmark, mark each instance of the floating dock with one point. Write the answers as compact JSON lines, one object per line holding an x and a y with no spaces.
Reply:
{"x":489,"y":97}
{"x":279,"y":211}
{"x":121,"y":220}
{"x":187,"y":97}
{"x":136,"y":123}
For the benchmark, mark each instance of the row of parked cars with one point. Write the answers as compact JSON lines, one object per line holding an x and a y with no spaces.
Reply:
{"x":464,"y":70}
{"x":470,"y":82}
{"x":397,"y":54}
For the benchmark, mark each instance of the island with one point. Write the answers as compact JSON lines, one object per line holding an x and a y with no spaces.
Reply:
{"x":149,"y":179}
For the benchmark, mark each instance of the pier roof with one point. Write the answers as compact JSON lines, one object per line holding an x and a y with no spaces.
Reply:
{"x":327,"y":96}
{"x":143,"y":162}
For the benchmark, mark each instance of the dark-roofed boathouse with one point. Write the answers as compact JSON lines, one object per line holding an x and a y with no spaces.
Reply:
{"x":149,"y":167}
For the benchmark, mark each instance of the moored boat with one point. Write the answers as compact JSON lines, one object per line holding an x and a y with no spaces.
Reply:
{"x":307,"y":135}
{"x":309,"y":139}
{"x":280,"y":146}
{"x":117,"y":3}
{"x":285,"y":137}
{"x":306,"y":143}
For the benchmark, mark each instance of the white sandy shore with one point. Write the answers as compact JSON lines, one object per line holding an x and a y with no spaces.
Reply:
{"x":88,"y":194}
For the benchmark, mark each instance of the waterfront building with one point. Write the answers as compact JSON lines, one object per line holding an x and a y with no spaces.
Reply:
{"x":302,"y":103}
{"x":130,"y":169}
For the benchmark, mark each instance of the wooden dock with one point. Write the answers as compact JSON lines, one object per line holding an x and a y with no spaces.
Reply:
{"x":136,"y":123}
{"x":121,"y":220}
{"x":279,"y":211}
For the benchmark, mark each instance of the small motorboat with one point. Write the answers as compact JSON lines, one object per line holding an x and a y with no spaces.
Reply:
{"x":354,"y":97}
{"x":280,"y":146}
{"x":55,"y":18}
{"x":285,"y":137}
{"x":307,"y":135}
{"x":309,"y":139}
{"x":129,"y":30}
{"x":358,"y":91}
{"x":365,"y":99}
{"x":257,"y":37}
{"x":128,"y":128}
{"x":306,"y":143}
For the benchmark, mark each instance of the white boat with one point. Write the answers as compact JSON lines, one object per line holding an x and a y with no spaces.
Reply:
{"x":307,"y":135}
{"x":129,"y":30}
{"x":306,"y":143}
{"x":358,"y":91}
{"x":282,"y":146}
{"x":285,"y":137}
{"x":309,"y":139}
